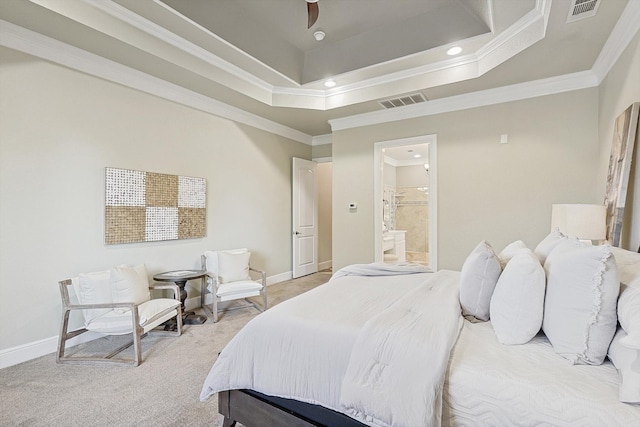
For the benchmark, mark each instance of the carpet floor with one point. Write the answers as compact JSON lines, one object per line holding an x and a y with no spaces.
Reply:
{"x":163,"y":391}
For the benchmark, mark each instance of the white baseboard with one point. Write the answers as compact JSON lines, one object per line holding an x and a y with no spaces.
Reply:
{"x":325,"y":265}
{"x":22,"y":353}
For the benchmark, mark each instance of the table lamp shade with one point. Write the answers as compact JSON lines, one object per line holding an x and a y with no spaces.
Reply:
{"x":586,"y":222}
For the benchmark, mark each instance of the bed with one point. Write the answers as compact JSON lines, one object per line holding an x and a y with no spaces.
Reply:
{"x":379,"y":347}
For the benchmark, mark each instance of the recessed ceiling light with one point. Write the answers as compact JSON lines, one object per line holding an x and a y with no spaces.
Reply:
{"x":454,"y":50}
{"x":330,"y":83}
{"x":416,"y":156}
{"x":319,"y":35}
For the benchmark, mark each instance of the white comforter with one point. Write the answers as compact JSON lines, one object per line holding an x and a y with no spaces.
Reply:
{"x":314,"y":348}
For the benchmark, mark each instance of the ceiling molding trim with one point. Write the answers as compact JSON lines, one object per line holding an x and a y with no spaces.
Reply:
{"x":625,"y":30}
{"x":226,"y":43}
{"x":543,"y":87}
{"x":38,"y":45}
{"x":125,"y":15}
{"x":322,"y":139}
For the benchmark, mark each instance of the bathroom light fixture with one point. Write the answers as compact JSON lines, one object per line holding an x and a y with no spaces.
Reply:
{"x":319,"y":35}
{"x":454,"y":50}
{"x":330,"y":83}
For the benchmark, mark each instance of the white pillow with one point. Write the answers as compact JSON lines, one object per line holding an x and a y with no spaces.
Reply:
{"x":628,"y":264}
{"x":510,"y":250}
{"x":547,"y":244}
{"x":233,"y":267}
{"x":517,"y":303}
{"x":130,"y":284}
{"x":629,"y":313}
{"x":627,"y":362}
{"x":478,"y":279}
{"x":95,"y":288}
{"x":580,"y":305}
{"x":629,"y":301}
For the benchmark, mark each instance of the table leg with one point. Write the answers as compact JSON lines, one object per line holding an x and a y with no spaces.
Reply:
{"x":188,"y":317}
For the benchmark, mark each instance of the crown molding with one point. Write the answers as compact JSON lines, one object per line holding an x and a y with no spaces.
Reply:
{"x":38,"y":45}
{"x":516,"y":92}
{"x":626,"y":28}
{"x":382,"y":79}
{"x":322,"y":139}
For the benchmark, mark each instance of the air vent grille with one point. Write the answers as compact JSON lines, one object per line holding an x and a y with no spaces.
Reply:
{"x":580,"y":9}
{"x":414,"y":98}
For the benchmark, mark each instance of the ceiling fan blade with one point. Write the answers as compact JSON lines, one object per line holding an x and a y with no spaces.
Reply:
{"x":313,"y":11}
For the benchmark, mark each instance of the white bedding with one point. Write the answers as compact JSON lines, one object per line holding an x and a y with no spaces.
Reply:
{"x":491,"y":384}
{"x":301,"y":349}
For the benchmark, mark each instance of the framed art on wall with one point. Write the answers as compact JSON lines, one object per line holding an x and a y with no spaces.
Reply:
{"x":625,"y":133}
{"x":148,"y":206}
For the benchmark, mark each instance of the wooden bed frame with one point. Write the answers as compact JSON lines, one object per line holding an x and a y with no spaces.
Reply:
{"x":253,"y":409}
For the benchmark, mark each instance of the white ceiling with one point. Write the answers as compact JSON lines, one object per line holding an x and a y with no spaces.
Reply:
{"x":257,"y":57}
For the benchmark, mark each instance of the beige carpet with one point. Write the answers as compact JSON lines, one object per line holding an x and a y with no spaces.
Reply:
{"x":163,"y":391}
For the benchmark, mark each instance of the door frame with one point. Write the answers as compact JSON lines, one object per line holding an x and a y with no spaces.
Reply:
{"x":378,"y":187}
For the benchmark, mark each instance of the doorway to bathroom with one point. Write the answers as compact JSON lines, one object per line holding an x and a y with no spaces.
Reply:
{"x":406,"y":200}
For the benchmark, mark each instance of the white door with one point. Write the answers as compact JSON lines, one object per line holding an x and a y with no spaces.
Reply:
{"x":305,"y":218}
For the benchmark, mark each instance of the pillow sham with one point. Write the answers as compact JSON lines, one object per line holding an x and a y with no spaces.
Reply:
{"x":629,"y":313}
{"x":517,"y":303}
{"x":478,"y":278}
{"x":580,"y":304}
{"x":627,"y":362}
{"x":547,"y":244}
{"x":509,"y":251}
{"x":628,"y":264}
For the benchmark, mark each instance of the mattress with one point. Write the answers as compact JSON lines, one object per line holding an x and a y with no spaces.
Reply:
{"x":491,"y":384}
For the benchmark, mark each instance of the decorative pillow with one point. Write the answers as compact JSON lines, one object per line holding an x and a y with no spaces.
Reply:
{"x":517,"y":303}
{"x":547,"y":244}
{"x":627,"y":362}
{"x":95,"y":288}
{"x":628,"y":264}
{"x":478,"y":279}
{"x":629,"y":313}
{"x":580,"y":305}
{"x":510,"y":250}
{"x":629,"y":301}
{"x":233,"y":267}
{"x":130,"y":284}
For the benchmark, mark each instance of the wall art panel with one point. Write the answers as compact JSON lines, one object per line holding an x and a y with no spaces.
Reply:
{"x":148,"y":206}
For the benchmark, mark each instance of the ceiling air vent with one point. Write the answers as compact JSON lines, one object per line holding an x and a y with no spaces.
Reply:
{"x":414,"y":98}
{"x":580,"y":9}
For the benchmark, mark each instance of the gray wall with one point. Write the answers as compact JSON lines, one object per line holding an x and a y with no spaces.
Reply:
{"x":486,"y":190}
{"x":61,"y":128}
{"x":618,"y":91}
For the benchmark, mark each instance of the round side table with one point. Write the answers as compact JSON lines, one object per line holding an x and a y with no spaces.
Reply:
{"x":180,"y":278}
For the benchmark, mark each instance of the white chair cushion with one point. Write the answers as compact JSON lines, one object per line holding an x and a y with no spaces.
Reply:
{"x":233,"y":267}
{"x":547,"y":244}
{"x":93,"y":288}
{"x":517,"y":303}
{"x":478,"y":279}
{"x":234,"y":288}
{"x":129,"y":284}
{"x":118,"y":322}
{"x":580,"y":304}
{"x":627,"y":362}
